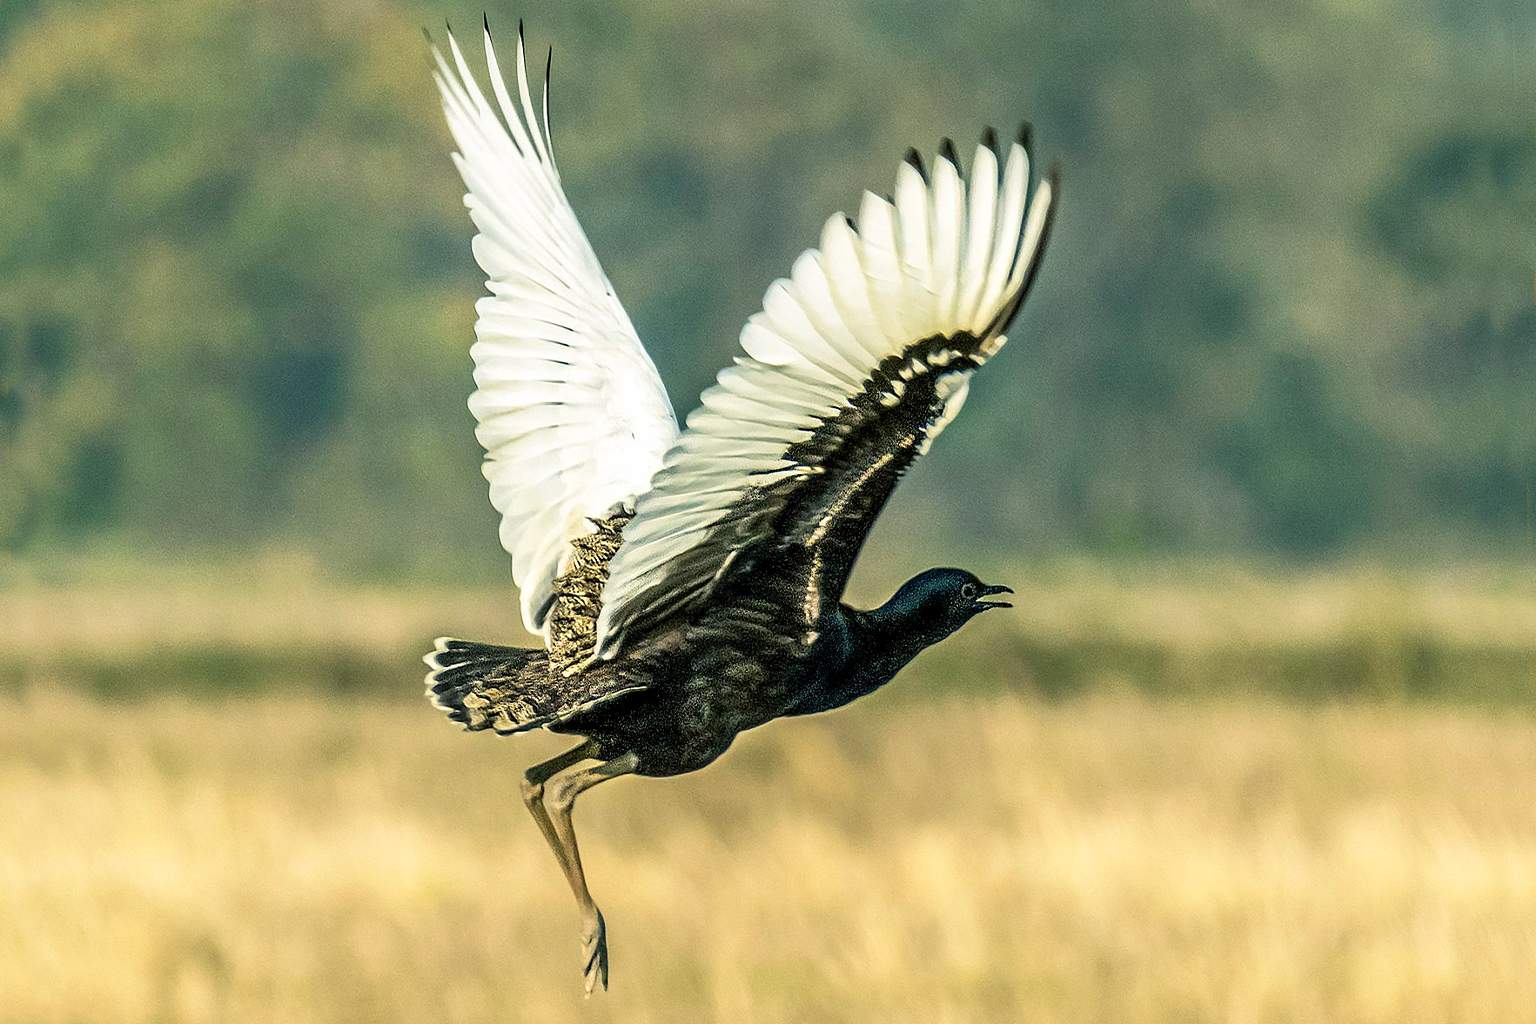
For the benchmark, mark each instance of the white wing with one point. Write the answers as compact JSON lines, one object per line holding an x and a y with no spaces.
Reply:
{"x":855,"y":364}
{"x":571,"y":412}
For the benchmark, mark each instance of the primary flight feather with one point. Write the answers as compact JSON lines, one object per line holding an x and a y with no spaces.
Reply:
{"x":688,"y":584}
{"x":571,"y":412}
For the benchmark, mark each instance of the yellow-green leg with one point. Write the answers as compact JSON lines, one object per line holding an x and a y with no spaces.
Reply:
{"x":533,"y":791}
{"x":561,"y":800}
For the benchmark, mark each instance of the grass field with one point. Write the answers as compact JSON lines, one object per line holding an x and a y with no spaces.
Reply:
{"x":1466,"y":636}
{"x":295,"y":858}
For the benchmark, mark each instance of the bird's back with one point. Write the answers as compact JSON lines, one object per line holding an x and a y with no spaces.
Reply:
{"x":578,"y":594}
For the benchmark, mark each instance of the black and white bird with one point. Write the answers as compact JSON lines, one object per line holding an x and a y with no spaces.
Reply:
{"x":688,"y":584}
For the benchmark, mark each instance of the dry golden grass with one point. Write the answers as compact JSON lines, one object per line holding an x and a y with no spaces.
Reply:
{"x":297,"y":859}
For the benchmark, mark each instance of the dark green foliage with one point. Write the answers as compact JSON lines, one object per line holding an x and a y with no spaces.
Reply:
{"x":1288,"y":308}
{"x":1388,"y":666}
{"x":1347,"y":667}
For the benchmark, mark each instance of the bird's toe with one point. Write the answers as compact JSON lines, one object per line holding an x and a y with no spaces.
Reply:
{"x":594,"y":951}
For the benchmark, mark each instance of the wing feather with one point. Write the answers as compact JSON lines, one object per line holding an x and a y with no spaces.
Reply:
{"x":857,"y":361}
{"x":570,"y":410}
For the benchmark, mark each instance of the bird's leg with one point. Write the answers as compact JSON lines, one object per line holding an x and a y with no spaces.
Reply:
{"x":533,"y":792}
{"x":565,"y":789}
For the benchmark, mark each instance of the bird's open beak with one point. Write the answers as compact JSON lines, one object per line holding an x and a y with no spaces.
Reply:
{"x":989,"y":591}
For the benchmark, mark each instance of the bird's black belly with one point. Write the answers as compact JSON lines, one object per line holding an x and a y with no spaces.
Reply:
{"x":670,"y":736}
{"x":685,"y":724}
{"x":723,"y":678}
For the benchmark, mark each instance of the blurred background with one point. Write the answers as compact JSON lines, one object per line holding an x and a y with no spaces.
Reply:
{"x":1260,"y":460}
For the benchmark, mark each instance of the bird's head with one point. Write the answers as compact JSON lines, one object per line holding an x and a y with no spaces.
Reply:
{"x":940,"y":601}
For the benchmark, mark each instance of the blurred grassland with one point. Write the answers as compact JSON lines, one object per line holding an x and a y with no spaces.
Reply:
{"x":298,"y":858}
{"x":1462,"y":636}
{"x":1202,"y":794}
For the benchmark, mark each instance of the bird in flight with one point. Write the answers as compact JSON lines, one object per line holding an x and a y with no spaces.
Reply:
{"x":688,"y":583}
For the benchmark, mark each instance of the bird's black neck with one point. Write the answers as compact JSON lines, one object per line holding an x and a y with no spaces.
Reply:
{"x":874,"y":646}
{"x":884,"y":639}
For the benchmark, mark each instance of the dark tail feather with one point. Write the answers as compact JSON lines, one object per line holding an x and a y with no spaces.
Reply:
{"x":485,"y":686}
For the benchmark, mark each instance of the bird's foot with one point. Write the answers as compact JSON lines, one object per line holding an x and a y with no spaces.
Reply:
{"x":594,"y":953}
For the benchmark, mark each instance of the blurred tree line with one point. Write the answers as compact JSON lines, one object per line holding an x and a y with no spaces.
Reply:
{"x":1288,"y":309}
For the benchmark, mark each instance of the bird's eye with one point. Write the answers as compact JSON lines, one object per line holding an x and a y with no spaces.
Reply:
{"x":968,"y":591}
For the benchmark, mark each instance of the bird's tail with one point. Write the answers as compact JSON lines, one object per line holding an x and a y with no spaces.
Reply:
{"x":486,"y":686}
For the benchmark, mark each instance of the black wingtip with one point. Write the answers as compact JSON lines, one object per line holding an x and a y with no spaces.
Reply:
{"x":485,"y":21}
{"x":851,"y":225}
{"x":989,"y":139}
{"x":549,"y":140}
{"x":947,"y":151}
{"x":1026,"y":136}
{"x":426,"y":34}
{"x":915,"y":158}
